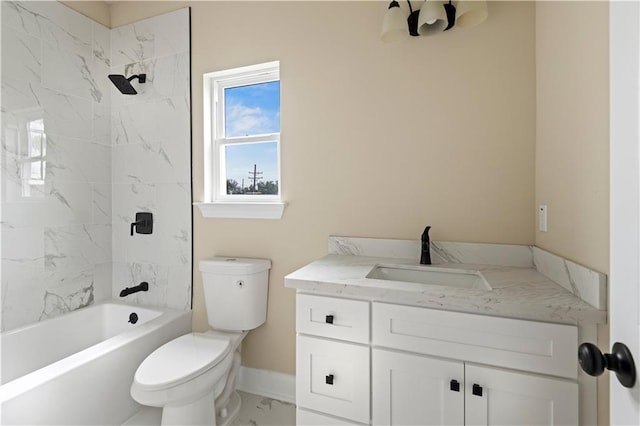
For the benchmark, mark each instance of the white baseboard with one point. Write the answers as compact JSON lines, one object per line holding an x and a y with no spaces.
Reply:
{"x":267,"y":383}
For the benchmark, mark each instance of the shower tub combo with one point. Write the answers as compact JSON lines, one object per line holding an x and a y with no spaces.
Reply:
{"x":78,"y":368}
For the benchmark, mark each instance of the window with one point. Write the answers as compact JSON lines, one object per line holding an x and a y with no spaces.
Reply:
{"x":242,"y":142}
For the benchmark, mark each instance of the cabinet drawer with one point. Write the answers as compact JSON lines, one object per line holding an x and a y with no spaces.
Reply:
{"x":310,"y":418}
{"x":333,"y":377}
{"x":342,"y":319}
{"x":517,"y":344}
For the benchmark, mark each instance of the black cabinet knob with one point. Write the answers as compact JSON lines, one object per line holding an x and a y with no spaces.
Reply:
{"x":328,"y":379}
{"x":476,"y":390}
{"x":328,"y":319}
{"x":454,"y":385}
{"x":620,"y":360}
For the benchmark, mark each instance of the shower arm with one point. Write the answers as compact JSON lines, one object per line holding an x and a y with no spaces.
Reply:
{"x":142,"y":78}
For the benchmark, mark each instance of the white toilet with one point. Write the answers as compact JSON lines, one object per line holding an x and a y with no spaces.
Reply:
{"x":193,"y":377}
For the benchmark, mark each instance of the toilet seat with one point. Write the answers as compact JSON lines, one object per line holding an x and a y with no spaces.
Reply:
{"x":180,"y":360}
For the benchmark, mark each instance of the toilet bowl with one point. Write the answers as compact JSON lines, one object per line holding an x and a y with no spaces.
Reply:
{"x":192,"y":378}
{"x":184,"y":376}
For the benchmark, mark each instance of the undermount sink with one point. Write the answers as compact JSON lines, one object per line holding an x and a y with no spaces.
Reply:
{"x":413,"y":278}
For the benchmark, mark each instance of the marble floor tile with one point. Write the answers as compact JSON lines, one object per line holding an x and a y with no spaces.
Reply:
{"x":258,"y":410}
{"x":255,"y":410}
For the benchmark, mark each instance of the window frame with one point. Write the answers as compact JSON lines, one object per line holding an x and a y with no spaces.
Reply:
{"x":26,"y":159}
{"x":217,"y":202}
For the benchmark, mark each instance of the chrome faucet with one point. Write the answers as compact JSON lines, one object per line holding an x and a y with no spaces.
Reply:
{"x":425,"y":256}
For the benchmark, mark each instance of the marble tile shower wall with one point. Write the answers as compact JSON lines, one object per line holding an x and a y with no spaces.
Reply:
{"x":151,"y":147}
{"x":56,"y":162}
{"x":79,"y":159}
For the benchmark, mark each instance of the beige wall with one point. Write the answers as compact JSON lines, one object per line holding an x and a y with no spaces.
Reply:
{"x":377,"y":140}
{"x":97,"y":10}
{"x":572,"y":145}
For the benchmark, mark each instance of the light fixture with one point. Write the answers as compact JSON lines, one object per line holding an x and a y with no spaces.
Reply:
{"x":394,"y":25}
{"x":433,"y":17}
{"x":471,"y":13}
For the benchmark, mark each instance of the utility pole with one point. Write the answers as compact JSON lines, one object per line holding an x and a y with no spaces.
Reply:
{"x":255,"y":175}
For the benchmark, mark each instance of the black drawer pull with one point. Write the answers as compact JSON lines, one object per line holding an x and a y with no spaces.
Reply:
{"x":328,"y":379}
{"x":476,"y":390}
{"x":328,"y":319}
{"x":454,"y":385}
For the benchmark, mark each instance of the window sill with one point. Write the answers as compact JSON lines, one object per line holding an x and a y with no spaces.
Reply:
{"x":240,"y":210}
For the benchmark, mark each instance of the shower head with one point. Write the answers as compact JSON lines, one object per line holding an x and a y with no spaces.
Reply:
{"x":124,"y":84}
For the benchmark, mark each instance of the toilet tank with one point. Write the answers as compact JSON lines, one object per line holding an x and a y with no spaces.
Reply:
{"x":235,"y":292}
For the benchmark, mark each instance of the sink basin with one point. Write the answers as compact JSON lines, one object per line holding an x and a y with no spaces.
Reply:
{"x":413,"y":278}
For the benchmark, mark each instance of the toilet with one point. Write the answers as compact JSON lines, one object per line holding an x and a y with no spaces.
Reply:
{"x":193,"y":377}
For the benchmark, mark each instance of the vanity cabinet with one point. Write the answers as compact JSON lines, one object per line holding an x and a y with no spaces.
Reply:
{"x":332,"y":360}
{"x":410,"y":389}
{"x":361,"y":362}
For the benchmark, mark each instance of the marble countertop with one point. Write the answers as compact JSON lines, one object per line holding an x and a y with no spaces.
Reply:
{"x":517,"y":292}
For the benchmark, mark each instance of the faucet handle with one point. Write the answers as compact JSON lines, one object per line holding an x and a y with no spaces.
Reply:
{"x":425,"y":255}
{"x":143,"y":223}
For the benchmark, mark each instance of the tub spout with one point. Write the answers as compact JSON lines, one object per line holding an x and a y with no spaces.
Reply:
{"x":143,"y":286}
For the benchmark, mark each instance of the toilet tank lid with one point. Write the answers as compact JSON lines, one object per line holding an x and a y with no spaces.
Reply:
{"x":234,"y":265}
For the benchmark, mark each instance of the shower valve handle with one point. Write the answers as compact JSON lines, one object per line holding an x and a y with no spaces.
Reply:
{"x":143,"y":223}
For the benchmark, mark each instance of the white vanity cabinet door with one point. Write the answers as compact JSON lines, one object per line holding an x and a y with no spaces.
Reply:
{"x":333,"y":377}
{"x":509,"y":398}
{"x":412,"y":389}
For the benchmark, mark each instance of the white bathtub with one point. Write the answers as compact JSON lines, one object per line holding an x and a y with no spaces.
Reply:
{"x":78,"y":368}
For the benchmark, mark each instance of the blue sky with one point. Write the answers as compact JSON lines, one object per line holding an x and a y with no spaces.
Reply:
{"x":251,"y":110}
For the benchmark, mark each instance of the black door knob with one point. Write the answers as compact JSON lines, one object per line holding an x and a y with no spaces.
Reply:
{"x":620,"y":361}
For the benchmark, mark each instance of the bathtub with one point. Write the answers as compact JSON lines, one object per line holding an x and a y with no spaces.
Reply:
{"x":78,"y":368}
